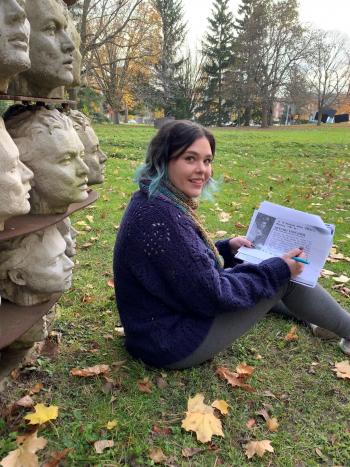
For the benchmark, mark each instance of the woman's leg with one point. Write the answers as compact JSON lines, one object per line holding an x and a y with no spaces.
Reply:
{"x":313,"y":305}
{"x":226,"y":328}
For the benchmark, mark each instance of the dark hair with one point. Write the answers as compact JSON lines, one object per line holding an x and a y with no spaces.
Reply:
{"x":170,"y":142}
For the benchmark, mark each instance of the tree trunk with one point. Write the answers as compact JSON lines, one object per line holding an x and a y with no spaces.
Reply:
{"x":265,"y":115}
{"x":319,"y":117}
{"x":126,"y":114}
{"x":115,"y":116}
{"x":247,"y":116}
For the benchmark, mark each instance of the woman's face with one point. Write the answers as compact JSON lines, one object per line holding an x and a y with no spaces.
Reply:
{"x":190,"y":171}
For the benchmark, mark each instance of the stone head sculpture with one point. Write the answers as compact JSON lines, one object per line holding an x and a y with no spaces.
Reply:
{"x":51,"y":148}
{"x":75,"y":38}
{"x":94,"y":158}
{"x":51,"y":51}
{"x":14,"y":179}
{"x":14,"y":41}
{"x":69,"y":235}
{"x":33,"y":267}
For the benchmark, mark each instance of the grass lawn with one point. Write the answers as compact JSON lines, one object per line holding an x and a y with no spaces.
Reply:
{"x":307,"y":169}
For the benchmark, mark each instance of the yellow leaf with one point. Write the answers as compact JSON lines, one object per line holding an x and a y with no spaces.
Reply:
{"x":42,"y":414}
{"x":272,"y":424}
{"x":292,"y":334}
{"x":257,"y":448}
{"x":342,"y":369}
{"x":200,"y":418}
{"x":25,"y":455}
{"x":221,"y":405}
{"x":112,"y":424}
{"x":90,"y":218}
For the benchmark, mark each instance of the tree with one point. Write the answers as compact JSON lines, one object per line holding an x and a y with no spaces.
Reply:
{"x":167,"y":70}
{"x":217,"y":49}
{"x":328,"y":68}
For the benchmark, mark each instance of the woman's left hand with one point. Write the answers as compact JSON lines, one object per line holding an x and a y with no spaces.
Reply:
{"x":237,"y":242}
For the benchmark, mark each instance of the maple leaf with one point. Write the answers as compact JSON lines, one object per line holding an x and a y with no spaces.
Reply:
{"x":342,"y":369}
{"x":144,"y":385}
{"x":221,"y":405}
{"x":257,"y":448}
{"x":25,"y":455}
{"x":57,"y":457}
{"x":103,"y":444}
{"x":90,"y":371}
{"x":42,"y":414}
{"x":25,"y":401}
{"x":235,"y":379}
{"x":157,"y":455}
{"x":292,"y":334}
{"x":200,"y":418}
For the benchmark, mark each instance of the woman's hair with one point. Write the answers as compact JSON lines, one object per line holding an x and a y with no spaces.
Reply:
{"x":170,"y":142}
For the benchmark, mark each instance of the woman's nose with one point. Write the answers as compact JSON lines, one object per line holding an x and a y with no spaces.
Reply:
{"x":26,"y":173}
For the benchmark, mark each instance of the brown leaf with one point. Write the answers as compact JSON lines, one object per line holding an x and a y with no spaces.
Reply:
{"x":110,"y":283}
{"x":144,"y":385}
{"x":86,"y":245}
{"x":250,"y":423}
{"x":36,"y":388}
{"x":257,"y":448}
{"x":292,"y":334}
{"x":190,"y":452}
{"x":157,"y":455}
{"x":103,"y":444}
{"x":25,"y":455}
{"x":157,"y":431}
{"x":86,"y":298}
{"x":238,"y":225}
{"x":57,"y":457}
{"x":161,"y":383}
{"x":342,"y":369}
{"x":25,"y":401}
{"x":90,"y":371}
{"x":243,"y":369}
{"x":200,"y":418}
{"x":264,"y":414}
{"x":272,"y":424}
{"x":234,"y":379}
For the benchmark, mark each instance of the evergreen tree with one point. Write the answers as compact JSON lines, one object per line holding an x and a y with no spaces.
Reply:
{"x":170,"y":63}
{"x":217,"y":49}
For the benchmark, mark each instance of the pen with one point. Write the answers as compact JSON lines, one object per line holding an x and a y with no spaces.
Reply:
{"x":300,"y":260}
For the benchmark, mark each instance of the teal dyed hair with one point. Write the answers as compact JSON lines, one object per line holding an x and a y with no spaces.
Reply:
{"x":170,"y":142}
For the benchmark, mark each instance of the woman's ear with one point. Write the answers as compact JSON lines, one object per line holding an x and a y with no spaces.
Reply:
{"x":16,"y":276}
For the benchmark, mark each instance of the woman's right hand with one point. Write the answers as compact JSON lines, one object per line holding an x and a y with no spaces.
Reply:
{"x":295,"y":267}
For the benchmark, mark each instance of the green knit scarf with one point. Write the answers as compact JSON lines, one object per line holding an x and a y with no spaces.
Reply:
{"x":189,"y":207}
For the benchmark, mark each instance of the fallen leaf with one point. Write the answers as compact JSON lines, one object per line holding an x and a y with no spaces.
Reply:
{"x":342,"y":369}
{"x":144,"y":385}
{"x":103,"y":444}
{"x":190,"y":452}
{"x":250,"y":423}
{"x":238,"y":225}
{"x":90,"y":371}
{"x":272,"y":424}
{"x":110,"y":283}
{"x":243,"y":369}
{"x":90,"y":218}
{"x":200,"y":418}
{"x":112,"y":424}
{"x":161,"y":383}
{"x":341,"y":279}
{"x":221,"y":405}
{"x":157,"y":455}
{"x":264,"y":414}
{"x":292,"y":334}
{"x":86,"y":245}
{"x":87,"y":298}
{"x":235,"y":379}
{"x":257,"y":448}
{"x":25,"y":401}
{"x":36,"y":388}
{"x":220,"y":233}
{"x":224,"y":216}
{"x":157,"y":431}
{"x":119,"y":331}
{"x":42,"y":414}
{"x":57,"y":457}
{"x":25,"y":455}
{"x":327,"y":273}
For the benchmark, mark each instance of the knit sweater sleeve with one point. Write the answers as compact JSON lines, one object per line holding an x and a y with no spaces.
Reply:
{"x":170,"y":255}
{"x":225,"y":251}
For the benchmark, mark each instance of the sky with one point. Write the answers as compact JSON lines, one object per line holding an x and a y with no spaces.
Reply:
{"x":324,"y":14}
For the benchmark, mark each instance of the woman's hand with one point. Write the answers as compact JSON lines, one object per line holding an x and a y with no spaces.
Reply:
{"x":237,"y":242}
{"x":294,"y":267}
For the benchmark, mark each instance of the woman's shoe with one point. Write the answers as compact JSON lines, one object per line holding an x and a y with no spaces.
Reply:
{"x":322,"y":333}
{"x":344,"y":344}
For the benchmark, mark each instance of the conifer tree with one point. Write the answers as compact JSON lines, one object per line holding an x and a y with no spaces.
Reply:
{"x":217,"y":49}
{"x":169,"y":66}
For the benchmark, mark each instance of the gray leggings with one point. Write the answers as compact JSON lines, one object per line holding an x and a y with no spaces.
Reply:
{"x":306,"y":304}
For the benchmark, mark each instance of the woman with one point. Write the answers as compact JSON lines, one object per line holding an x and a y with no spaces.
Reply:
{"x":181,"y":298}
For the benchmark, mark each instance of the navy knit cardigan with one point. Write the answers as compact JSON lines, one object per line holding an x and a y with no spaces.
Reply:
{"x":168,"y":285}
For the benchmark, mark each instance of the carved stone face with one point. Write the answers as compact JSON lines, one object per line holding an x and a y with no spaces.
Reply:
{"x":14,"y":179}
{"x":75,"y":37}
{"x":14,"y":40}
{"x":34,"y":267}
{"x":69,"y":235}
{"x":94,"y":158}
{"x":51,"y":49}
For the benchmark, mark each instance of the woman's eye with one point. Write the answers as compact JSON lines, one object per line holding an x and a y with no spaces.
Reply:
{"x":190,"y":158}
{"x":207,"y":161}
